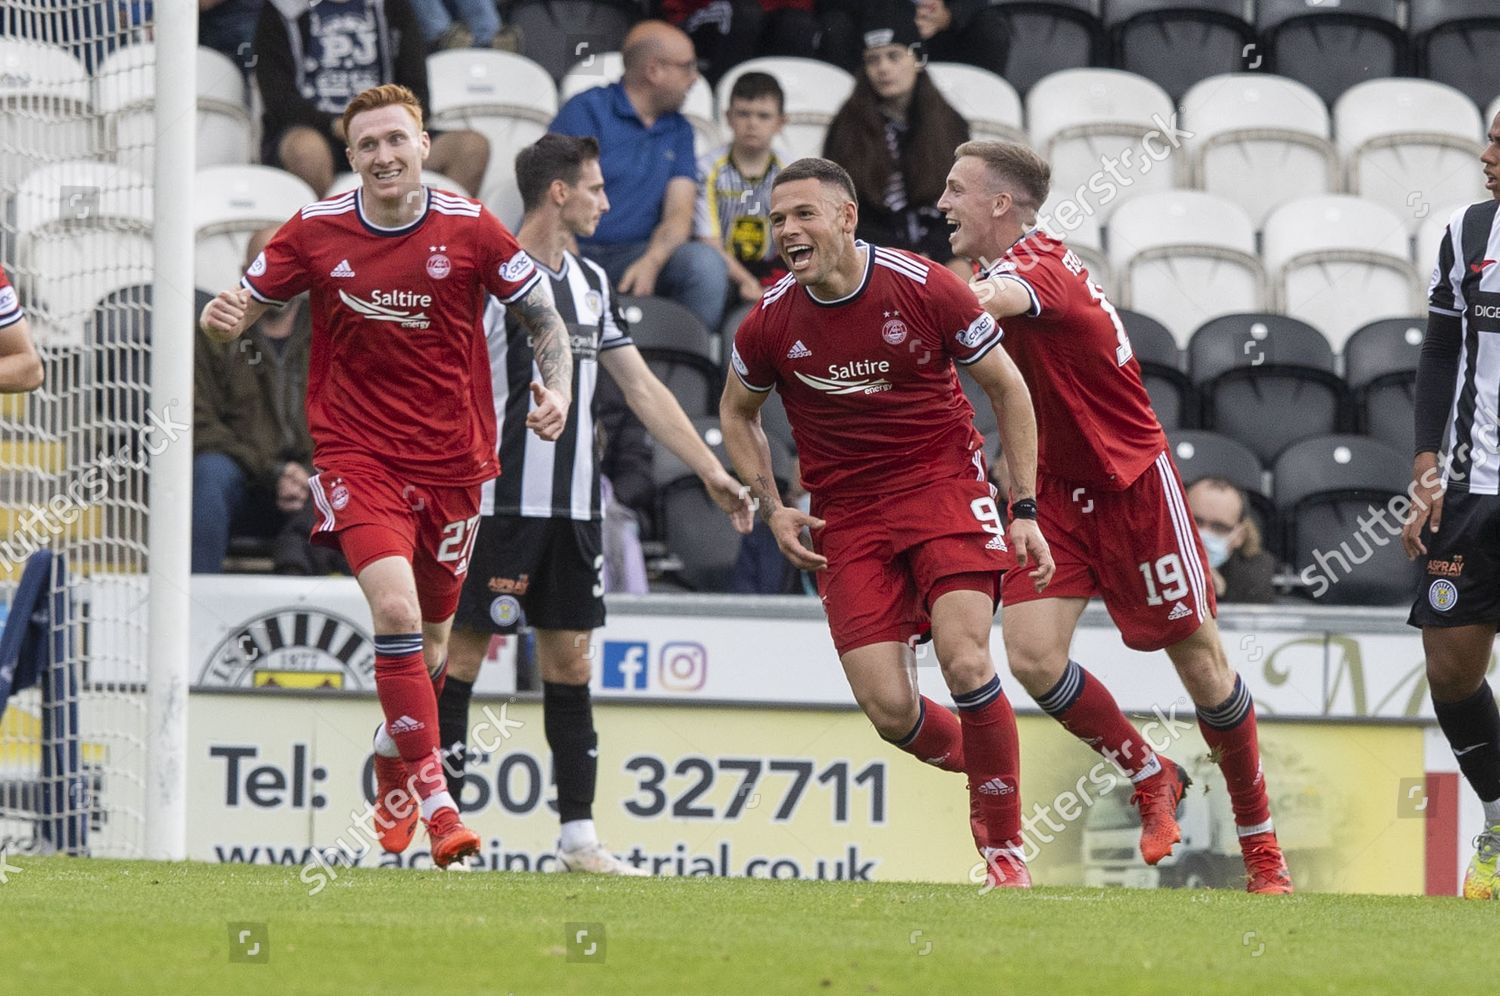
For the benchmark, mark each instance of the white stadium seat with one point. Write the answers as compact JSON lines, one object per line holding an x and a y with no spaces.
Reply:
{"x":1407,"y":143}
{"x":125,"y":89}
{"x":608,"y":67}
{"x":988,"y":102}
{"x":1430,"y":236}
{"x":507,"y":98}
{"x":1184,"y":257}
{"x":44,"y":104}
{"x":1338,"y":262}
{"x":814,"y":93}
{"x":229,"y":204}
{"x":1081,"y":117}
{"x":1082,"y":233}
{"x":1259,"y":141}
{"x":84,"y":230}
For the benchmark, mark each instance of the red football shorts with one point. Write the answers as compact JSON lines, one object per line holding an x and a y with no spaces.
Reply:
{"x":369,"y":514}
{"x":1138,"y":549}
{"x":891,"y":557}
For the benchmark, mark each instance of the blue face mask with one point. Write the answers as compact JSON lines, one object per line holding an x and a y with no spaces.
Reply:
{"x":1217,"y":547}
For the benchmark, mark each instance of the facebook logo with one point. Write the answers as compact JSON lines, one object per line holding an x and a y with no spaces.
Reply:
{"x":624,"y":665}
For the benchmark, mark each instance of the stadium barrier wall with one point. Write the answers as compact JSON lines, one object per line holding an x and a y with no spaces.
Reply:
{"x":698,"y":693}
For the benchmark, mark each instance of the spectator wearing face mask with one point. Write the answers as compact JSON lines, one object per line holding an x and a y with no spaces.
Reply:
{"x":1242,"y":569}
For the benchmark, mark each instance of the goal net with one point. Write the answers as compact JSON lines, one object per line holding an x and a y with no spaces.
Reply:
{"x":76,"y":189}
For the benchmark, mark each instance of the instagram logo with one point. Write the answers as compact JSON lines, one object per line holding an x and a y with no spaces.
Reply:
{"x":683,"y":667}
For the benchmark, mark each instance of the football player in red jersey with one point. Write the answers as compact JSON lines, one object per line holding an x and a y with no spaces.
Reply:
{"x":20,"y":367}
{"x":861,"y":342}
{"x":402,"y":415}
{"x":1112,"y":504}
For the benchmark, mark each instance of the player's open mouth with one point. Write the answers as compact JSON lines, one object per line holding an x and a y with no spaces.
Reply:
{"x":388,"y":174}
{"x":1490,"y":180}
{"x":799,"y":255}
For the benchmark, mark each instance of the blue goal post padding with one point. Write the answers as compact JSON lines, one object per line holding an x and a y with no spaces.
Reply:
{"x":25,"y":643}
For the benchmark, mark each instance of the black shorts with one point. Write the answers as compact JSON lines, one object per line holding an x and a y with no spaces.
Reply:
{"x":1461,"y":586}
{"x":546,"y":573}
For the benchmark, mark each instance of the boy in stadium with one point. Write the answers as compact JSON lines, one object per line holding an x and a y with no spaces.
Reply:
{"x":1455,"y":515}
{"x":20,"y":367}
{"x":860,"y":341}
{"x":1111,"y":503}
{"x":539,"y":554}
{"x":734,"y":200}
{"x":400,"y":409}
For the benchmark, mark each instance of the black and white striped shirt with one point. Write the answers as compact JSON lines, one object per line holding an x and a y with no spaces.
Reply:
{"x":1466,"y":285}
{"x":559,"y":479}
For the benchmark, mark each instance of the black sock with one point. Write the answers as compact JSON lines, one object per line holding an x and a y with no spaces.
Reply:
{"x":568,"y":716}
{"x":453,"y":731}
{"x":1472,"y":727}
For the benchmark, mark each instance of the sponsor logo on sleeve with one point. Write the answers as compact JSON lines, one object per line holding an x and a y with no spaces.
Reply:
{"x":8,"y":302}
{"x":979,"y":330}
{"x":518,"y":268}
{"x":258,"y":268}
{"x":739,"y":364}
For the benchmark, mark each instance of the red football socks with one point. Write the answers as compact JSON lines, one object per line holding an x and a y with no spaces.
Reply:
{"x":1086,"y":709}
{"x":992,"y":760}
{"x":406,"y":697}
{"x":1229,"y":731}
{"x":937,"y":739}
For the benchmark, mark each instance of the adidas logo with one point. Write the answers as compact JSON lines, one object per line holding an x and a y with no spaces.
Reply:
{"x":798,"y":351}
{"x":995,"y":786}
{"x":1178,"y":611}
{"x":995,"y":543}
{"x":407,"y":725}
{"x":939,"y":759}
{"x":342,"y":270}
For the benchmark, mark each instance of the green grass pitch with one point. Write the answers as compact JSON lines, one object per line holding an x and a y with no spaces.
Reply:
{"x":117,"y":927}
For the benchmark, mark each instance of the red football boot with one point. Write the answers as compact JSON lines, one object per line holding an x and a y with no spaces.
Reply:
{"x":451,"y":840}
{"x":396,"y":809}
{"x":1157,"y":798}
{"x":1265,"y":865}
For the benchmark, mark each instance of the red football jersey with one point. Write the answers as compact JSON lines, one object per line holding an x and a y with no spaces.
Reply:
{"x":868,"y":380}
{"x":1094,"y":419}
{"x":10,"y":304}
{"x":399,"y":369}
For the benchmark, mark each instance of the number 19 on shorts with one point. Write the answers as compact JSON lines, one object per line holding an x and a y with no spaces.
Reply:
{"x":1166,"y":571}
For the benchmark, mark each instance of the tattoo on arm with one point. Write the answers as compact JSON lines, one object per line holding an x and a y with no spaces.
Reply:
{"x":549,"y":340}
{"x":765,"y":494}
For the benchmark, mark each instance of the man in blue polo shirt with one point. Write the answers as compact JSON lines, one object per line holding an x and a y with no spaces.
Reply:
{"x":645,"y":242}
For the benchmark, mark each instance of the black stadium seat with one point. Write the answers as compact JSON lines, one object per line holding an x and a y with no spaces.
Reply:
{"x":1177,"y":44}
{"x":677,"y":348}
{"x":1200,"y":454}
{"x":1456,"y":42}
{"x":1265,"y":380}
{"x":1380,"y":365}
{"x":1161,"y":369}
{"x":1332,"y":493}
{"x":1332,"y":46}
{"x":1048,"y":35}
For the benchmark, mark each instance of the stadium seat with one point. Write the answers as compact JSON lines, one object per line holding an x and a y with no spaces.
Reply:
{"x":1265,"y":380}
{"x":83,"y":230}
{"x":44,"y":109}
{"x":1176,"y":44}
{"x":1081,"y":117}
{"x":1430,"y":235}
{"x":1324,"y":488}
{"x":1184,"y":257}
{"x":119,"y":340}
{"x":229,"y":204}
{"x":1199,"y":454}
{"x":125,"y":91}
{"x":677,"y":348}
{"x":1332,"y":46}
{"x":1409,"y":144}
{"x":733,"y":318}
{"x":1161,"y":369}
{"x":1380,"y":366}
{"x":774,"y":422}
{"x":507,"y":98}
{"x":1455,"y":42}
{"x":1259,"y":141}
{"x":1339,"y":262}
{"x":814,"y":93}
{"x":988,"y":102}
{"x":557,"y":33}
{"x":1050,"y":35}
{"x":1067,"y":220}
{"x":984,"y":412}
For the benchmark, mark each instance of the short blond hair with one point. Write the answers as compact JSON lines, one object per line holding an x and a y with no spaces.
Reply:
{"x":1012,"y":163}
{"x":385,"y":95}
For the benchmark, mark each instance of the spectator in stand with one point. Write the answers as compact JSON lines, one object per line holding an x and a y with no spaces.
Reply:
{"x":897,"y":110}
{"x":312,"y":58}
{"x":734,"y":203}
{"x":727,"y":32}
{"x":1242,"y":569}
{"x":463,"y":24}
{"x":969,"y":31}
{"x":252,"y":452}
{"x":645,"y":242}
